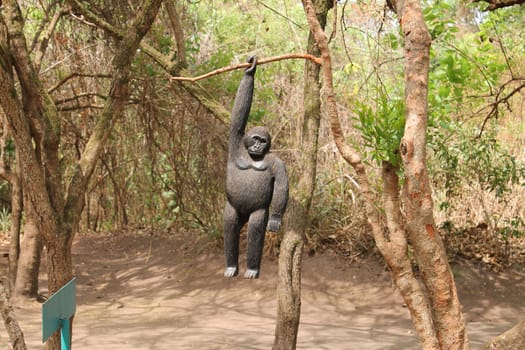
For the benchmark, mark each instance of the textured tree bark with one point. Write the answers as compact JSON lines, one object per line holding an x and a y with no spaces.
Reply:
{"x":291,"y":249}
{"x":178,"y":31}
{"x":16,"y":336}
{"x":26,"y":285}
{"x":289,"y":281}
{"x":513,"y":339}
{"x":312,"y":111}
{"x":428,"y":248}
{"x":16,"y":220}
{"x":394,"y":251}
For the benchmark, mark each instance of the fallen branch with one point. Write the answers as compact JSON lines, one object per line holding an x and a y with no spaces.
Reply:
{"x":244,"y":65}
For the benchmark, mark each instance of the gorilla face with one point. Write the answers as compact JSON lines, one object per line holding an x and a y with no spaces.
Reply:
{"x":257,"y":141}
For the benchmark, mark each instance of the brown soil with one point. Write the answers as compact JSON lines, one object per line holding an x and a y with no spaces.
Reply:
{"x":136,"y":290}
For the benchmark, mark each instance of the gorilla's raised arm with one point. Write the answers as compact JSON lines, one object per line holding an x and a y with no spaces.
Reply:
{"x":241,"y":108}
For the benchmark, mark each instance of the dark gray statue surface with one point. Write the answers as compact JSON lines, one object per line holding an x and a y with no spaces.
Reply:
{"x":256,"y":184}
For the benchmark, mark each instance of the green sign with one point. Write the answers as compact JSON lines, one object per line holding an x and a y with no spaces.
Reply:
{"x":57,"y":312}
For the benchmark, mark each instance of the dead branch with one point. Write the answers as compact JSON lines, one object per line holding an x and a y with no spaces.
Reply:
{"x":47,"y":36}
{"x":76,"y":74}
{"x":244,"y":65}
{"x":494,"y":106}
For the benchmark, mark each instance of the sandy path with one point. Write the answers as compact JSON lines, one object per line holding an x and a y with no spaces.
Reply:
{"x":135,"y":292}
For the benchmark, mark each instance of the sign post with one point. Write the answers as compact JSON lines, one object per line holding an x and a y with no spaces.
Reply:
{"x":57,"y":312}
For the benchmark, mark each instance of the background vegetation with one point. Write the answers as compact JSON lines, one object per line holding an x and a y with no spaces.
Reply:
{"x":165,"y":163}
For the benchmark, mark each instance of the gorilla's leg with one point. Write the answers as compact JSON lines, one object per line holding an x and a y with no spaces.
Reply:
{"x":232,"y":228}
{"x":256,"y":231}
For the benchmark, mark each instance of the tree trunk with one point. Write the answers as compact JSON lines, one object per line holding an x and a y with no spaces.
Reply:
{"x":394,"y":250}
{"x":16,"y":336}
{"x":291,"y":249}
{"x":26,"y":285}
{"x":449,"y":331}
{"x":428,"y":248}
{"x":59,"y":272}
{"x":16,"y":220}
{"x":513,"y":339}
{"x":289,"y":282}
{"x":312,"y":113}
{"x":178,"y":31}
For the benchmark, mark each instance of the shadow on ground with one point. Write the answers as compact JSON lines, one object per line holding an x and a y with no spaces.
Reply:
{"x":136,"y":290}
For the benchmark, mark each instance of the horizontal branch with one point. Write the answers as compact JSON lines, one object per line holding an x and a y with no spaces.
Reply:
{"x":497,"y":4}
{"x":245,"y":65}
{"x":76,"y":74}
{"x":77,"y":108}
{"x":77,"y":97}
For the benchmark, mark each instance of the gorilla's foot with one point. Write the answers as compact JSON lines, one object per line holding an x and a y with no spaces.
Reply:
{"x":231,"y":271}
{"x":251,"y":273}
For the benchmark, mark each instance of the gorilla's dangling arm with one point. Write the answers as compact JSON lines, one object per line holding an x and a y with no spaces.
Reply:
{"x":241,"y":108}
{"x":280,"y":195}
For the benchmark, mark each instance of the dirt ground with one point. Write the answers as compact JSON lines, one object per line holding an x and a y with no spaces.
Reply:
{"x":137,"y":290}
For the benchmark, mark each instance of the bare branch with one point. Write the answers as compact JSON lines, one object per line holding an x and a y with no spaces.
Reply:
{"x":74,"y":75}
{"x":77,"y":108}
{"x":497,"y":4}
{"x":494,"y":106}
{"x":47,"y":35}
{"x":178,"y":30}
{"x":77,"y":97}
{"x":244,"y":65}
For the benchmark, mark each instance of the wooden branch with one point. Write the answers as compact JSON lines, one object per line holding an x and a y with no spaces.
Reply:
{"x":499,"y":100}
{"x":497,"y":4}
{"x":74,"y":75}
{"x":178,"y":30}
{"x":244,"y":65}
{"x":47,"y":36}
{"x":77,"y":97}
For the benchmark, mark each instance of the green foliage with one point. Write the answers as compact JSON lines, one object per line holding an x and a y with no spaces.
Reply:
{"x":482,"y":160}
{"x":381,"y":122}
{"x":467,"y":67}
{"x":5,"y":220}
{"x":439,"y":17}
{"x":230,"y":32}
{"x":513,"y":228}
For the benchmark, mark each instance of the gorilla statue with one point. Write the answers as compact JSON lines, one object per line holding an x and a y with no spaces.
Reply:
{"x":256,"y":184}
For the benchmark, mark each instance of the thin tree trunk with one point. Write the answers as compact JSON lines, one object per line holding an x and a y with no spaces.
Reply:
{"x":16,"y":336}
{"x":289,"y":282}
{"x":26,"y":285}
{"x":16,"y":220}
{"x":297,"y":221}
{"x":428,"y":248}
{"x":396,"y":255}
{"x":178,"y":31}
{"x":513,"y":339}
{"x":312,"y":112}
